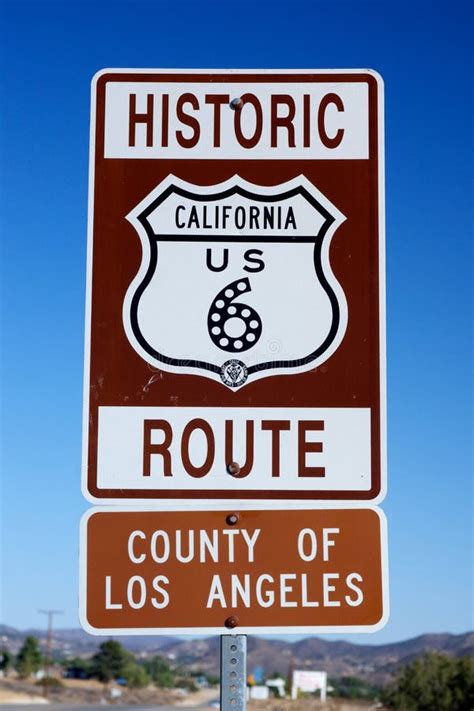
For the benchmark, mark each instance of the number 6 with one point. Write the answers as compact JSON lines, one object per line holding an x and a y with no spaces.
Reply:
{"x":233,"y":327}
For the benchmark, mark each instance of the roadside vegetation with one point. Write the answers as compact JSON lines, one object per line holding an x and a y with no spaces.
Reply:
{"x":351,"y":687}
{"x":434,"y":682}
{"x":111,"y":663}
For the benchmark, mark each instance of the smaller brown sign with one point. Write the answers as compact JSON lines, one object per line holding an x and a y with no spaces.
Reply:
{"x":308,"y":570}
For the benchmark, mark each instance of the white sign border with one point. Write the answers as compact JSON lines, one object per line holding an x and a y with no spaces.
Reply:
{"x":166,"y":504}
{"x":237,"y":506}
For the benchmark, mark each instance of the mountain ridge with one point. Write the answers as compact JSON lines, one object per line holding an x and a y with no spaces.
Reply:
{"x":375,"y":663}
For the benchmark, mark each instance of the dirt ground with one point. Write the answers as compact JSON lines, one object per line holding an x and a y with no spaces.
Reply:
{"x":90,"y":691}
{"x":309,"y":705}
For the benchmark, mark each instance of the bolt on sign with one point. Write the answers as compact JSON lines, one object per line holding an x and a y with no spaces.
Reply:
{"x":311,"y":570}
{"x":235,"y":327}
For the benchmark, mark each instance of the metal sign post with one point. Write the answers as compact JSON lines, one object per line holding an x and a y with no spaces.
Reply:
{"x":233,"y":672}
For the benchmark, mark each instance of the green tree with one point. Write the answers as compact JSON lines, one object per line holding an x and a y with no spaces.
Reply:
{"x":186,"y":682}
{"x":136,"y":676}
{"x":110,"y":661}
{"x":6,"y":660}
{"x":351,"y":687}
{"x":77,"y":666}
{"x":433,"y":683}
{"x":29,"y":657}
{"x":160,"y":672}
{"x":463,"y":684}
{"x":211,"y":679}
{"x":50,"y":683}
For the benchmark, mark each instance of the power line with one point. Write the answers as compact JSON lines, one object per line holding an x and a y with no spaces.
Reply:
{"x":49,"y":644}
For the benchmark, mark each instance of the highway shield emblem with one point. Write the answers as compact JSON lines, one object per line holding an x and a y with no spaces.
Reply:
{"x":235,"y":282}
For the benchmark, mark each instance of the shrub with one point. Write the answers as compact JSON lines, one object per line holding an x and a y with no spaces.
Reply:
{"x":50,"y":682}
{"x":136,"y":676}
{"x":433,"y":683}
{"x":110,"y":661}
{"x":29,"y":658}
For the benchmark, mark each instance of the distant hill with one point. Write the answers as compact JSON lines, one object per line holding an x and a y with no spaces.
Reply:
{"x":76,"y":642}
{"x":373,"y":662}
{"x":376,"y":663}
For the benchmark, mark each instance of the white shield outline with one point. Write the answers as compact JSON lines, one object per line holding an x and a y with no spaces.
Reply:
{"x":149,"y":240}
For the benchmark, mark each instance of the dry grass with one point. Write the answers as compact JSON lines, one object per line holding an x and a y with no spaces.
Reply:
{"x":308,"y":705}
{"x":76,"y":691}
{"x":90,"y":691}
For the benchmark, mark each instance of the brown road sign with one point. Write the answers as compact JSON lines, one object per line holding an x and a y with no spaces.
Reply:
{"x":310,"y":570}
{"x":235,"y":286}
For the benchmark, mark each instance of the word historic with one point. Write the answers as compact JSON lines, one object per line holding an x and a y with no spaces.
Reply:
{"x":186,"y":111}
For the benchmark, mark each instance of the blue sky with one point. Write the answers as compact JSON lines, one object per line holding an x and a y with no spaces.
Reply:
{"x":50,"y":50}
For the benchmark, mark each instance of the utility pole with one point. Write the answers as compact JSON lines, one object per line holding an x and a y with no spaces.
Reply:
{"x":49,"y":645}
{"x":291,"y":671}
